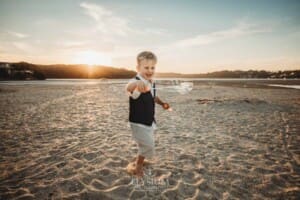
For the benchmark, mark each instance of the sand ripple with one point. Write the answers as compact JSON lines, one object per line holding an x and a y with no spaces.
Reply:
{"x":73,"y":142}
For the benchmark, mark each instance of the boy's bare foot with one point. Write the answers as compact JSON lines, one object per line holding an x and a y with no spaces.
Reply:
{"x":135,"y":169}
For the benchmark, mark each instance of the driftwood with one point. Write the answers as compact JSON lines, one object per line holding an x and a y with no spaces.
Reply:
{"x":208,"y":101}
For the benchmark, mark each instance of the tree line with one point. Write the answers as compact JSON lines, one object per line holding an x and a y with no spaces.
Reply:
{"x":24,"y":70}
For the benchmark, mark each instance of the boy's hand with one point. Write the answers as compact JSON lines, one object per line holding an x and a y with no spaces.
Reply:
{"x":166,"y":106}
{"x":142,"y":87}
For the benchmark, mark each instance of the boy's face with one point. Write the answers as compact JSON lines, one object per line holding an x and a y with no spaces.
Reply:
{"x":146,"y":68}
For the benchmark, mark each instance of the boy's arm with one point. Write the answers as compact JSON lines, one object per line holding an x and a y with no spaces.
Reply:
{"x":160,"y":102}
{"x":131,"y":86}
{"x":139,"y":85}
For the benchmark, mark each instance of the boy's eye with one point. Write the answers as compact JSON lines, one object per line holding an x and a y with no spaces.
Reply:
{"x":149,"y":68}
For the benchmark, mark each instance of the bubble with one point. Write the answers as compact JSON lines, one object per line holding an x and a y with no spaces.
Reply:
{"x":181,"y":88}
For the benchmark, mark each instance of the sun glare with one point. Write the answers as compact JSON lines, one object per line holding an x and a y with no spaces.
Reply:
{"x":92,"y":58}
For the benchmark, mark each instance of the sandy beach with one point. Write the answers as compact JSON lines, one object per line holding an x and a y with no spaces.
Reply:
{"x":223,"y":140}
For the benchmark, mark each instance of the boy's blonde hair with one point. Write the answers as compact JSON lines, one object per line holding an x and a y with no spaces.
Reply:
{"x":148,"y":55}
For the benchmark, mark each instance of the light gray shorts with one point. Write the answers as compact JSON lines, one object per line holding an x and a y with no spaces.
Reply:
{"x":144,"y":137}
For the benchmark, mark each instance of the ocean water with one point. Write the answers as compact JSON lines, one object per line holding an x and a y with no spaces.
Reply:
{"x":286,"y":86}
{"x":291,"y":83}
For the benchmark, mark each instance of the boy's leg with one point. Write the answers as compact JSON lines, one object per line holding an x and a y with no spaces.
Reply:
{"x":144,"y":150}
{"x":145,"y":163}
{"x":145,"y":141}
{"x":140,"y":160}
{"x":139,"y":165}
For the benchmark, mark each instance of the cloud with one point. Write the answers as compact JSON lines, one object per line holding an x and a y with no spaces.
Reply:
{"x":241,"y":29}
{"x":73,"y":44}
{"x":110,"y":24}
{"x":107,"y":21}
{"x":16,"y":34}
{"x":159,"y":32}
{"x":23,"y":46}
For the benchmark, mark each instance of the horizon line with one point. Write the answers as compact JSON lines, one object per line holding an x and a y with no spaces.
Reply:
{"x":127,"y":68}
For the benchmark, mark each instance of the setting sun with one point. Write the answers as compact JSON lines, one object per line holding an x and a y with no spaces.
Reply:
{"x":92,"y":58}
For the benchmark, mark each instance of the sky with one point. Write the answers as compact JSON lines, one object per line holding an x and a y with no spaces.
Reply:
{"x":187,"y":36}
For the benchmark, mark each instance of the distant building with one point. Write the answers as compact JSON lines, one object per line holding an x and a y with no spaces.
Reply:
{"x":6,"y":67}
{"x":7,"y":71}
{"x":28,"y":74}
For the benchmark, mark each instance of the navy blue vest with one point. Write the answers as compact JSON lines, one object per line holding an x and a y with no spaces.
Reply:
{"x":142,"y":109}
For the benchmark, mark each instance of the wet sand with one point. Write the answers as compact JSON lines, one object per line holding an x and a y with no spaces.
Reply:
{"x":224,"y":140}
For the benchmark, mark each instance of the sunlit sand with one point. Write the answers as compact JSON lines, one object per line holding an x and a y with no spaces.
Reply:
{"x":220,"y":141}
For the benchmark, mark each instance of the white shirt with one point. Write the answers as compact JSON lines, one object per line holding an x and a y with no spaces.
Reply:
{"x":135,"y":94}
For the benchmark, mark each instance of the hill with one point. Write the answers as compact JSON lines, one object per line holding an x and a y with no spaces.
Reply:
{"x":28,"y":71}
{"x":23,"y":70}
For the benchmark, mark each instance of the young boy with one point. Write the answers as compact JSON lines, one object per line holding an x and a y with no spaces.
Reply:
{"x":142,"y":101}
